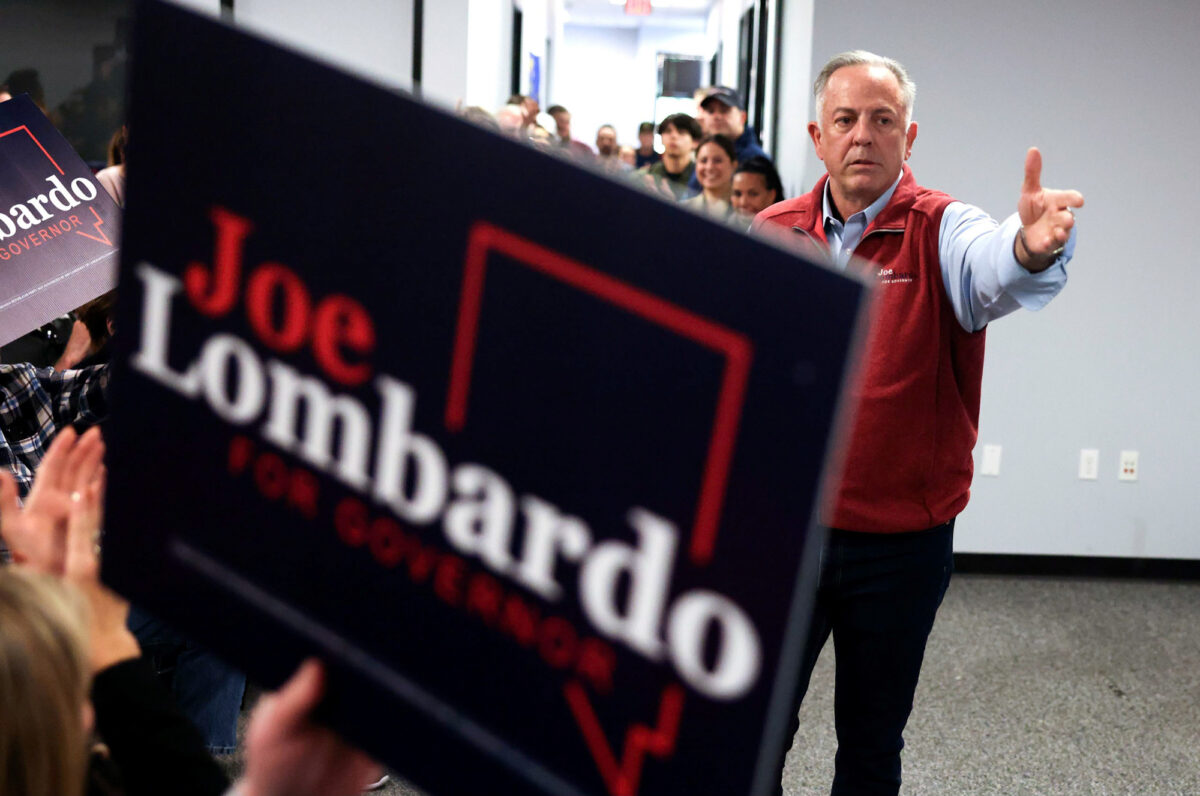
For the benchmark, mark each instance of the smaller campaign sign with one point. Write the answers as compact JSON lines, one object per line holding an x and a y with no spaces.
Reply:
{"x":59,"y":229}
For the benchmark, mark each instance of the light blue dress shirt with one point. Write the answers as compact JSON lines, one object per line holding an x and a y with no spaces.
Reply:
{"x":980,"y":273}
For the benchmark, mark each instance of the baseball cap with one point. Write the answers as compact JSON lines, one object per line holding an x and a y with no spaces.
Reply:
{"x":726,"y":95}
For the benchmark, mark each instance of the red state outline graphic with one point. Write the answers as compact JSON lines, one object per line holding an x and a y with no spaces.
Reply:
{"x":485,"y":238}
{"x":99,"y":222}
{"x":36,"y":141}
{"x":622,"y":777}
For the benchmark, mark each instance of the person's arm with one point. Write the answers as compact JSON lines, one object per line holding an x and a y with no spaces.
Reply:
{"x":990,"y":269}
{"x":157,"y":749}
{"x":77,"y":395}
{"x":78,"y":346}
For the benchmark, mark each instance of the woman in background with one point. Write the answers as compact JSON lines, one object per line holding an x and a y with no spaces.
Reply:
{"x":756,"y":186}
{"x":716,"y":159}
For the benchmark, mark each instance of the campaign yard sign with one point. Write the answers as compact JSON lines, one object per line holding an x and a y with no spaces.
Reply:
{"x":59,"y":229}
{"x":528,"y":456}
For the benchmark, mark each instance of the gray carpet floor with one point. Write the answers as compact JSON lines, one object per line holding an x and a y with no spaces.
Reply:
{"x":1041,"y":686}
{"x":1035,"y":686}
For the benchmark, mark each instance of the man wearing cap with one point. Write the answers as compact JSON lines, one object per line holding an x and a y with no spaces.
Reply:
{"x":645,"y":154}
{"x":943,"y":270}
{"x":722,"y":111}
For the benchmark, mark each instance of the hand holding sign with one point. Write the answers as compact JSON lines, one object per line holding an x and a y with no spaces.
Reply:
{"x":288,"y":755}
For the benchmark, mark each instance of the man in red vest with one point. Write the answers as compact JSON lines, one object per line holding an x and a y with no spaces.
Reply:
{"x":943,"y":270}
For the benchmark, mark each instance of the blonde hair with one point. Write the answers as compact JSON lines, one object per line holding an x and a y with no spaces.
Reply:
{"x":44,"y":680}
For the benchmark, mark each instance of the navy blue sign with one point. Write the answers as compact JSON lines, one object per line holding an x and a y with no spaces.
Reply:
{"x":59,"y":230}
{"x":528,"y":456}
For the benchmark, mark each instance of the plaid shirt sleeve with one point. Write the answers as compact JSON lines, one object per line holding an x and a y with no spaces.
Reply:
{"x":35,"y":403}
{"x":78,"y":395}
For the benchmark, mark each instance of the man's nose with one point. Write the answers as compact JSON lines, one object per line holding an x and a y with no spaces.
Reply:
{"x":862,"y":131}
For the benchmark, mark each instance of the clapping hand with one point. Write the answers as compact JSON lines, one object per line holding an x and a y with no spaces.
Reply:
{"x":57,"y":532}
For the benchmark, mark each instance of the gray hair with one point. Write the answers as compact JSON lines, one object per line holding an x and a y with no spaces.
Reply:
{"x":908,"y":89}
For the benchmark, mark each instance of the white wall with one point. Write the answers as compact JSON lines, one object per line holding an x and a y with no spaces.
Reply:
{"x":609,"y":75}
{"x":444,"y":52}
{"x":795,"y":105}
{"x":595,"y":78}
{"x":465,"y":49}
{"x":489,"y":60}
{"x":1112,"y":363}
{"x":723,"y":19}
{"x":537,"y":27}
{"x":370,"y":37}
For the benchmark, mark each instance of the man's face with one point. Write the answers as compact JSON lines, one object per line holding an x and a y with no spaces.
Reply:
{"x":676,"y":143}
{"x":861,"y":135}
{"x":562,"y":124}
{"x":646,"y":139}
{"x":606,"y":141}
{"x":723,"y":119}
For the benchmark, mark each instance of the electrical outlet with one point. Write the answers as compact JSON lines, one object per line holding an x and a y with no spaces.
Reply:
{"x":1089,"y":464}
{"x":1129,"y":466}
{"x":989,"y":463}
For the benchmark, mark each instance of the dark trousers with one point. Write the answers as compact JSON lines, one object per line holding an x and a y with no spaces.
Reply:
{"x":878,"y":595}
{"x":206,"y":690}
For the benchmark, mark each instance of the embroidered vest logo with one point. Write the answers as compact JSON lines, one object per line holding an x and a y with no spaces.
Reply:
{"x":890,"y":276}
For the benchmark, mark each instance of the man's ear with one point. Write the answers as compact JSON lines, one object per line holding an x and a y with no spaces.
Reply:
{"x":909,"y":138}
{"x":814,"y":132}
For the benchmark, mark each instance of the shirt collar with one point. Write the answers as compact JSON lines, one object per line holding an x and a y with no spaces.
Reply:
{"x":870,"y":213}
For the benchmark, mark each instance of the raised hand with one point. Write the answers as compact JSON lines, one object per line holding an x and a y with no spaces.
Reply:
{"x":1046,"y":217}
{"x":57,"y":530}
{"x":36,"y":533}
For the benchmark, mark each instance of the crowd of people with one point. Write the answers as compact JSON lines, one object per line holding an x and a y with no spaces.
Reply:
{"x":711,"y":162}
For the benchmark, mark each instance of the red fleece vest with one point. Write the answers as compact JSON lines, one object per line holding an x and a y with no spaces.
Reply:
{"x":908,"y":464}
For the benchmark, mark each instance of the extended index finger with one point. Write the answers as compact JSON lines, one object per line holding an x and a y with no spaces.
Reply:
{"x":1033,"y":171}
